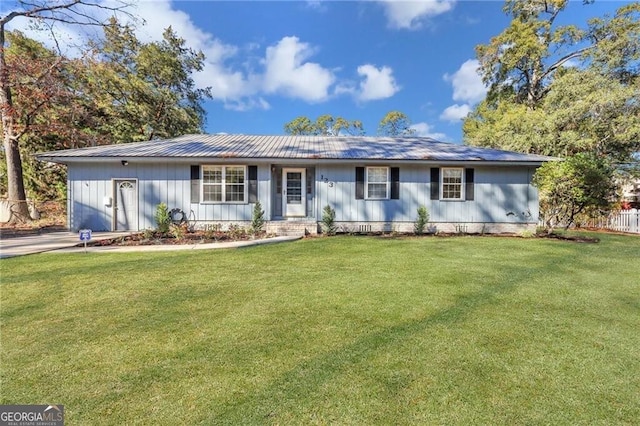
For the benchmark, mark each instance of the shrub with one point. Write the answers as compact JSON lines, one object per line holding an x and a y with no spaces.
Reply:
{"x":257,"y":222}
{"x":237,"y":232}
{"x":527,"y":234}
{"x":579,"y":184}
{"x":163,"y":218}
{"x":421,"y":222}
{"x":178,"y":231}
{"x":213,"y":232}
{"x":148,"y":234}
{"x":328,"y":220}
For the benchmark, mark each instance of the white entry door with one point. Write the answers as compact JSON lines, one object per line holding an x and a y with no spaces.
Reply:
{"x":126,"y":205}
{"x":294,"y":195}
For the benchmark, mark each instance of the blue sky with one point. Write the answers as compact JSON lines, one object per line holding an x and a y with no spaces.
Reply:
{"x":270,"y":62}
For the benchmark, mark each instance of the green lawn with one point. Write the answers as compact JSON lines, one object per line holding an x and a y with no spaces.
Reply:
{"x":343,"y":330}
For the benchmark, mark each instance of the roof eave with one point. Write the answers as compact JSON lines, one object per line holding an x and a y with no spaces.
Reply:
{"x":191,"y":160}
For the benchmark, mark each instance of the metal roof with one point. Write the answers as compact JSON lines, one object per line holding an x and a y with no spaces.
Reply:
{"x":316,"y":148}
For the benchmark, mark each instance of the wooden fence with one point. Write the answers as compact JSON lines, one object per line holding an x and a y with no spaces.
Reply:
{"x":622,"y":221}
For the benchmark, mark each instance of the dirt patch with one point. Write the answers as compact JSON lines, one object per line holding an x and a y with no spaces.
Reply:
{"x":573,"y":238}
{"x":52,"y":219}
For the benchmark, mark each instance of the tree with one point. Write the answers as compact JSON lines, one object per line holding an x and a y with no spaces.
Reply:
{"x":145,"y":91}
{"x":568,"y":188}
{"x":122,"y":90}
{"x":582,"y":111}
{"x":523,"y":59}
{"x":48,"y":115}
{"x":395,"y":123}
{"x":67,"y":11}
{"x":300,"y":126}
{"x":325,"y":125}
{"x":541,"y":103}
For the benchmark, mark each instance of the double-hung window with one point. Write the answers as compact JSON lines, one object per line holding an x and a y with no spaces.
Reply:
{"x":224,"y":184}
{"x":452,"y":188}
{"x":377,"y":183}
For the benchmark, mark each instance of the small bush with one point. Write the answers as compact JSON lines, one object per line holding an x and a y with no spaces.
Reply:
{"x":328,"y":220}
{"x":237,"y":232}
{"x":148,"y":234}
{"x":178,"y":231}
{"x":527,"y":234}
{"x":257,"y":222}
{"x":421,"y":222}
{"x":163,"y":218}
{"x":213,"y":232}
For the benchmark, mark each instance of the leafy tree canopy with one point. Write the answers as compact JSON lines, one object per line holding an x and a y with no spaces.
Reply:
{"x":122,"y":90}
{"x":395,"y":123}
{"x":325,"y":125}
{"x":44,"y":12}
{"x":521,"y":62}
{"x":566,"y":91}
{"x":145,"y":90}
{"x":582,"y":184}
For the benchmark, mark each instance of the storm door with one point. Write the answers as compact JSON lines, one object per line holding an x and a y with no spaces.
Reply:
{"x":294,"y":192}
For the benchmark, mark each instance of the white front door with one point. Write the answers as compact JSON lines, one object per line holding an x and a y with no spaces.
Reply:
{"x":294,"y":195}
{"x":126,"y":205}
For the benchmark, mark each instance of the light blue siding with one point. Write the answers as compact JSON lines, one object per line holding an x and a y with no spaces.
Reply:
{"x":90,"y":183}
{"x":502,"y":195}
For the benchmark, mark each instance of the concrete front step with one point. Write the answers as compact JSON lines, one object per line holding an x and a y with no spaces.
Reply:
{"x":292,"y":227}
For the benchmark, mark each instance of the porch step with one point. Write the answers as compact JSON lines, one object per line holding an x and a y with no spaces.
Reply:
{"x":292,"y":227}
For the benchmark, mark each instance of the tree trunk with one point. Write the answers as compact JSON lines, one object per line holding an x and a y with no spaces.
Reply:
{"x":19,"y":210}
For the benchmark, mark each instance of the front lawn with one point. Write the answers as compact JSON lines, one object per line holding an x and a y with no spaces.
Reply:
{"x":342,"y":330}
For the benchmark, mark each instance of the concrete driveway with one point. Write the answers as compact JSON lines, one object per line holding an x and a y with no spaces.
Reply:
{"x":30,"y":244}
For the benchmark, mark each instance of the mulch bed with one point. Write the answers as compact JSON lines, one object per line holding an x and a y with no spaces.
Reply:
{"x":151,"y":239}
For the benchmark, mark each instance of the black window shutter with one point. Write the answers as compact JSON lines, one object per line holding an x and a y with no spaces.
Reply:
{"x":195,"y":184}
{"x":253,"y":183}
{"x":468,"y":184}
{"x":395,"y":183}
{"x":359,"y":183}
{"x":435,"y":183}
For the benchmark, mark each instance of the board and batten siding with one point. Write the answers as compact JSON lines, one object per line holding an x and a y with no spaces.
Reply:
{"x":89,"y":186}
{"x":501,"y":195}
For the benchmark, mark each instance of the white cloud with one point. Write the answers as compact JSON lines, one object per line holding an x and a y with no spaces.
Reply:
{"x":226,"y":83}
{"x":317,"y":5}
{"x":455,"y":113}
{"x":248,"y":104}
{"x":288,"y":74}
{"x":467,"y":83}
{"x":468,"y":88}
{"x":378,"y":83}
{"x":242,"y":76}
{"x":403,"y":14}
{"x":425,"y":130}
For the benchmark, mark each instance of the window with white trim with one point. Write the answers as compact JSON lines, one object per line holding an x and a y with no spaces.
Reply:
{"x":224,"y":184}
{"x":452,"y":188}
{"x":377,"y":183}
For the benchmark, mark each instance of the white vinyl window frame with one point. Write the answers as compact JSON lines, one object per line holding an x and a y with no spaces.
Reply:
{"x":377,"y":183}
{"x":224,"y":184}
{"x":452,"y":184}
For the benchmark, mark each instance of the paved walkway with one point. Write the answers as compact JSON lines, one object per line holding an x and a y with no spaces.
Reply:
{"x":38,"y":243}
{"x":66,"y":242}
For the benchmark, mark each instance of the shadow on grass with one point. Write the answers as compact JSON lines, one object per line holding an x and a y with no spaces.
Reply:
{"x":310,"y":376}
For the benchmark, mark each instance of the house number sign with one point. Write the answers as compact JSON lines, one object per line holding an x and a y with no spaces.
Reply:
{"x":326,"y":180}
